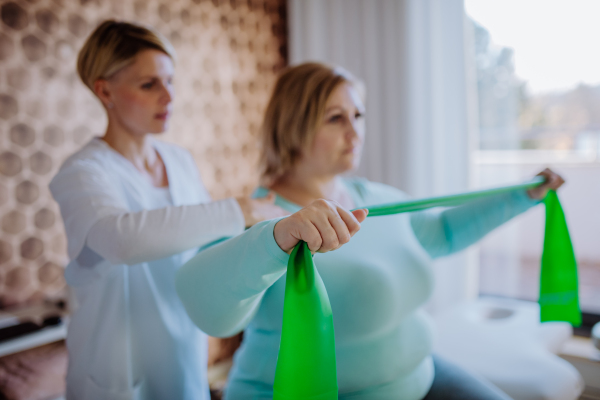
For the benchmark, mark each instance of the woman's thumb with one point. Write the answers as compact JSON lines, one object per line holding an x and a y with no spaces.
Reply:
{"x":360,"y":214}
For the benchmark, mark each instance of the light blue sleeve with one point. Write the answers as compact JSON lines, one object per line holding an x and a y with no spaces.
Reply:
{"x":222,"y":286}
{"x":445,"y":232}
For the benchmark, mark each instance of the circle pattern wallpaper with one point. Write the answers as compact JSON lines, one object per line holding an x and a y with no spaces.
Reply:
{"x":228,"y":56}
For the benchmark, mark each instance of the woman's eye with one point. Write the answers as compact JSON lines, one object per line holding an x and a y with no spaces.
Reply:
{"x":358,"y":115}
{"x":335,"y":118}
{"x":148,"y":85}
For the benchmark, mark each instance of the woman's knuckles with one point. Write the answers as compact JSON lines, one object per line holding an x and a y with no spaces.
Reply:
{"x":352,"y":229}
{"x":333,"y":244}
{"x":314,"y":245}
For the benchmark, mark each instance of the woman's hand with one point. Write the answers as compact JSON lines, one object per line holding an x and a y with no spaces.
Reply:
{"x":553,"y":181}
{"x":324,"y":225}
{"x":257,"y":210}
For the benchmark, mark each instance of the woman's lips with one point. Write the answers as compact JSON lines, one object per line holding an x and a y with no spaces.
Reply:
{"x":162,"y":116}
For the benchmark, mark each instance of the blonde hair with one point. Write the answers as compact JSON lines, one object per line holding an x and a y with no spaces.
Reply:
{"x":294,"y":113}
{"x":113,"y":46}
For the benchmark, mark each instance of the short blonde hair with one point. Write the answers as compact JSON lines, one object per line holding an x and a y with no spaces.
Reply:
{"x":294,"y":113}
{"x":113,"y":46}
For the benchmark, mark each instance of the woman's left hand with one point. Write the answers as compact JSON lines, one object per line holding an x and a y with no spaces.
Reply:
{"x":553,"y":181}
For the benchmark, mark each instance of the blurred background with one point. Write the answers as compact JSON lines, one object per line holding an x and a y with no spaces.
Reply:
{"x":538,"y":85}
{"x":460,"y":95}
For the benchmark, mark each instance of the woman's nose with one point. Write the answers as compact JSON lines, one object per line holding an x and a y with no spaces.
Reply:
{"x":353,"y":130}
{"x":167,"y":93}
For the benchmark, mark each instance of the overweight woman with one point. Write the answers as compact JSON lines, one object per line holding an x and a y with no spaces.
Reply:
{"x":135,"y":210}
{"x":313,"y":132}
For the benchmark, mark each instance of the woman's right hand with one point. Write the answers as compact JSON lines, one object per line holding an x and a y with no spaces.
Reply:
{"x":257,"y":210}
{"x":324,"y":225}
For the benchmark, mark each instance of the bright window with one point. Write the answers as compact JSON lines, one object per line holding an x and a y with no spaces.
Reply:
{"x":538,"y":83}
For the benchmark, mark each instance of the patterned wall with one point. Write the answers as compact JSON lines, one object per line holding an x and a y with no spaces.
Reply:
{"x":228,"y":55}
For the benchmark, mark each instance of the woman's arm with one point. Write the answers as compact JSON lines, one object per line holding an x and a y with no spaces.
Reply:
{"x":222,"y":286}
{"x":446,"y":232}
{"x":135,"y":237}
{"x":96,"y":215}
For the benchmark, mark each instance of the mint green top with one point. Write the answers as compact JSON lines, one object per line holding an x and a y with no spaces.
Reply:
{"x":376,"y":285}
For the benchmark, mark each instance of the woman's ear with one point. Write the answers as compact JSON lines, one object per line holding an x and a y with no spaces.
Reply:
{"x":102,"y":91}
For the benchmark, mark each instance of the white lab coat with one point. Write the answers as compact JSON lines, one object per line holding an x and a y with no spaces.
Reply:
{"x":130,"y":337}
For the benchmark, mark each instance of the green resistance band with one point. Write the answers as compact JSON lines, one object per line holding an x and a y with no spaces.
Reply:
{"x":306,"y":362}
{"x":447,"y":201}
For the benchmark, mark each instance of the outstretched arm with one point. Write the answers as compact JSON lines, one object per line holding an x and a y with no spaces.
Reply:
{"x":451,"y":230}
{"x":445,"y":232}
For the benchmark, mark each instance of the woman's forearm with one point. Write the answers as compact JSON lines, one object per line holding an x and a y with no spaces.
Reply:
{"x":222,"y":286}
{"x":135,"y":237}
{"x":451,"y":230}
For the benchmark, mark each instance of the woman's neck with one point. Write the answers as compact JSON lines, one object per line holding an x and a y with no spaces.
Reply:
{"x":139,"y":151}
{"x":303,"y":190}
{"x":135,"y":148}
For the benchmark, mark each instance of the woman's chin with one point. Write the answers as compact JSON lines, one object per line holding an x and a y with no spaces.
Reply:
{"x":159,"y":128}
{"x":352,"y":163}
{"x":347,"y":167}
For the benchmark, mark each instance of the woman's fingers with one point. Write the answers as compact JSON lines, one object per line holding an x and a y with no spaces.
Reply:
{"x":329,"y":238}
{"x":553,"y":181}
{"x":312,"y":237}
{"x":323,"y":225}
{"x":350,"y":221}
{"x":339,"y":234}
{"x":360,"y":214}
{"x":298,"y":226}
{"x":332,"y":228}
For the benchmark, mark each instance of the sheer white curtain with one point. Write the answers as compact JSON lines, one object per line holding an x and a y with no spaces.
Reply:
{"x":411,"y":54}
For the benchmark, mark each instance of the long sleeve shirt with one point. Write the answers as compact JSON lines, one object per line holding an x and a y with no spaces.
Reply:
{"x":130,"y":337}
{"x":376,"y":284}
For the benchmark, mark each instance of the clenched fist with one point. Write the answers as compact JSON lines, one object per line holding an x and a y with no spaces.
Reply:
{"x":324,"y":225}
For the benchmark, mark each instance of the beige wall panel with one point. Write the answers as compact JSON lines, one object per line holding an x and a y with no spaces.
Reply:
{"x":228,"y":55}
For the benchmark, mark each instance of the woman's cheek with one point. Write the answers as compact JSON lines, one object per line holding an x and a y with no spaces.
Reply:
{"x":133,"y":96}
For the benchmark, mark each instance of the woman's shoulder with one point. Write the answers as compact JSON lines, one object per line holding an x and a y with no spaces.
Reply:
{"x":374,"y":192}
{"x":93,"y":155}
{"x":171,"y":148}
{"x":88,"y":165}
{"x":176,"y":154}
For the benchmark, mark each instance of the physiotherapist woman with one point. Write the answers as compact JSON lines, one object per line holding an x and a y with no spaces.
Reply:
{"x":135,"y":210}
